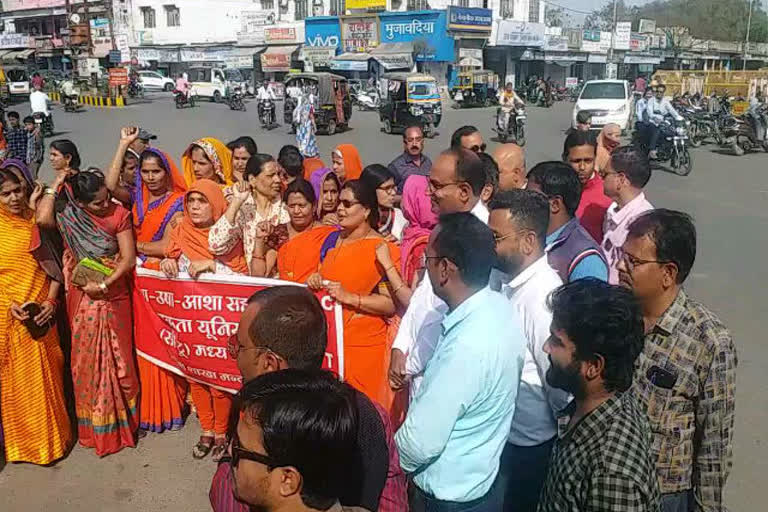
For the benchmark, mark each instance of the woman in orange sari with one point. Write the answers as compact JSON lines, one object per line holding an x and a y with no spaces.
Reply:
{"x":209,"y":159}
{"x":351,"y":275}
{"x":293,"y":247}
{"x":188,"y":251}
{"x":32,"y":407}
{"x":347,"y":164}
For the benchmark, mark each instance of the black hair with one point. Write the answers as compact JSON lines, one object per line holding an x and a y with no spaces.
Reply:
{"x":578,"y":138}
{"x":13,"y":114}
{"x":300,"y":186}
{"x":469,"y":168}
{"x":558,"y":179}
{"x":583,"y":117}
{"x":8,"y":175}
{"x":632,"y":162}
{"x":256,"y":164}
{"x":244,"y":142}
{"x":674,"y":235}
{"x":491,"y":170}
{"x":528,"y":208}
{"x":290,"y":323}
{"x":413,"y":126}
{"x":146,"y":155}
{"x":67,"y":147}
{"x":468,"y":243}
{"x":601,"y":320}
{"x":29,"y":119}
{"x":366,"y":195}
{"x":461,"y":132}
{"x":85,"y":185}
{"x":309,"y":421}
{"x":375,"y":175}
{"x":291,"y":160}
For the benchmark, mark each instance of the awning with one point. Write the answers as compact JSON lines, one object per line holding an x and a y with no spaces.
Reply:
{"x":351,"y":62}
{"x":24,"y":54}
{"x":12,"y":55}
{"x":243,"y":57}
{"x":641,"y":59}
{"x":277,"y":58}
{"x":394,"y":55}
{"x":471,"y":62}
{"x":597,"y":59}
{"x":318,"y":55}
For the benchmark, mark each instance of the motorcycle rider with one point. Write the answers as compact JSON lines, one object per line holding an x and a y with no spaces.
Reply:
{"x":757,"y":117}
{"x":39,"y":102}
{"x":657,"y":109}
{"x":263,"y":94}
{"x":641,"y":122}
{"x":182,"y":86}
{"x":508,"y":101}
{"x":68,"y":90}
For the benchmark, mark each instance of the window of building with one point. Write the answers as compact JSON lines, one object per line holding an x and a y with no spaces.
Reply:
{"x":533,"y":11}
{"x":172,"y":15}
{"x":460,"y":3}
{"x":302,"y":9}
{"x":507,"y":8}
{"x":418,"y":5}
{"x":267,"y":4}
{"x":149,"y":17}
{"x":338,"y":7}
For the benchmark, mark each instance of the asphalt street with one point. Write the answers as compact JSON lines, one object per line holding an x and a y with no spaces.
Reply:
{"x":727,"y":196}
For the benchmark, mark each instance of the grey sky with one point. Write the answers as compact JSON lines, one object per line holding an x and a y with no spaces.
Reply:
{"x":590,"y":5}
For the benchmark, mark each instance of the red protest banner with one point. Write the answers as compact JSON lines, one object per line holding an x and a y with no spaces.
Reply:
{"x":183,"y":324}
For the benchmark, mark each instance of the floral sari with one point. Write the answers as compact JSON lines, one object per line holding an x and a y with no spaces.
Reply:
{"x":219,"y":155}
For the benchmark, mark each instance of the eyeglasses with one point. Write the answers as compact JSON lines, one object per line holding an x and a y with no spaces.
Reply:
{"x":632,"y":261}
{"x":603,"y":174}
{"x":346,"y":203}
{"x":413,"y":139}
{"x":241,"y":453}
{"x":434,"y":187}
{"x":425,"y":258}
{"x":478,"y":149}
{"x":234,"y":348}
{"x":389,"y":189}
{"x":497,"y":239}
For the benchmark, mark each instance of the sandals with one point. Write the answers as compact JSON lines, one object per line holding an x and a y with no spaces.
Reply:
{"x":219,"y":449}
{"x":203,"y":447}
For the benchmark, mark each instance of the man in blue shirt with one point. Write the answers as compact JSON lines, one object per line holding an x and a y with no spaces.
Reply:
{"x":571,"y":251}
{"x":459,"y":419}
{"x":641,"y":115}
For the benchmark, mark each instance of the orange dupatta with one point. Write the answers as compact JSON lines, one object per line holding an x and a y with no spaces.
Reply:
{"x":353,"y":164}
{"x":192,"y":241}
{"x":219,"y":155}
{"x":299,"y":258}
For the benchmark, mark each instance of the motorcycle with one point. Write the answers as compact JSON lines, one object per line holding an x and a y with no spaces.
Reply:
{"x":44,"y":123}
{"x":183,"y":100}
{"x":267,"y":113}
{"x":672,"y":145}
{"x":368,"y":100}
{"x":135,"y":89}
{"x":742,"y":133}
{"x":515,"y":128}
{"x":236,"y":101}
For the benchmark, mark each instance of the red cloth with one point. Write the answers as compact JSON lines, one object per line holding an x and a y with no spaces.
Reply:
{"x":592,"y":207}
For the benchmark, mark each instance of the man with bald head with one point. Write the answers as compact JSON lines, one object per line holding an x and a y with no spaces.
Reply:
{"x":511,"y":161}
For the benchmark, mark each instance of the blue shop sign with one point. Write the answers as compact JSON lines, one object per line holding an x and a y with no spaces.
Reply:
{"x":322,"y":31}
{"x":427,"y":26}
{"x":470,"y":19}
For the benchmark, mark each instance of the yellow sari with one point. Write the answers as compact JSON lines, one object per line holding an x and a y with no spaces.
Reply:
{"x":34,"y":415}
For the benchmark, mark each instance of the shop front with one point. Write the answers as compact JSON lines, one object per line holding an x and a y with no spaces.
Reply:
{"x":512,"y":52}
{"x":470,"y":27}
{"x":282,"y":52}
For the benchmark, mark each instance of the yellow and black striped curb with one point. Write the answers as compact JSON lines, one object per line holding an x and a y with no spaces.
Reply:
{"x":93,"y":101}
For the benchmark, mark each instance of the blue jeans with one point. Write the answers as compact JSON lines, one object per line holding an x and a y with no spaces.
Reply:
{"x":522,"y":474}
{"x":491,"y":502}
{"x":653,"y":133}
{"x":677,"y":502}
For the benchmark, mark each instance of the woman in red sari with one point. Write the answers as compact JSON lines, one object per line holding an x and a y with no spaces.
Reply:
{"x":105,"y":381}
{"x":352,"y":276}
{"x":294,"y":248}
{"x":188,"y":251}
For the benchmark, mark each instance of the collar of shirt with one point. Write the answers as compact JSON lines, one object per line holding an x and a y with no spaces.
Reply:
{"x":593,"y":182}
{"x":526,"y":275}
{"x":480,"y":211}
{"x":590,"y":425}
{"x":455,"y":317}
{"x":556,"y":233}
{"x":410,"y":159}
{"x":617,"y":216}
{"x":669,"y":320}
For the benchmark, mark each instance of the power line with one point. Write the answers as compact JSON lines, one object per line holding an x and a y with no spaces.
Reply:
{"x":568,"y":8}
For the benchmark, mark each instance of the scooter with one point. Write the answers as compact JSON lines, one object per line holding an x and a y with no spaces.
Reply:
{"x":515,"y":129}
{"x":236,"y":101}
{"x":742,"y":133}
{"x":183,"y":100}
{"x":368,"y":100}
{"x":44,"y":123}
{"x":267,"y":113}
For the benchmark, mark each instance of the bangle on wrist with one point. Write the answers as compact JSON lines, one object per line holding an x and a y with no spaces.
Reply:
{"x":398,"y":288}
{"x":262,"y":258}
{"x":388,"y":268}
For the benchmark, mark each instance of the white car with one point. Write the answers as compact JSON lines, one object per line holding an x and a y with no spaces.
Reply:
{"x":18,"y":82}
{"x":154,"y":81}
{"x":609,"y":101}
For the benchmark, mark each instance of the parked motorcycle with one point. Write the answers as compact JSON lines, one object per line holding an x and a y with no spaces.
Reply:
{"x":672,"y":145}
{"x":742,"y":133}
{"x":236,"y":99}
{"x":183,"y":100}
{"x":44,"y":123}
{"x":368,"y":100}
{"x":515,"y":129}
{"x":267,"y":113}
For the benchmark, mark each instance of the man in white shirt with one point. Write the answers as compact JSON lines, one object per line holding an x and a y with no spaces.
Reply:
{"x":455,"y":182}
{"x":519,"y":220}
{"x":38,"y":102}
{"x":657,"y":108}
{"x":265,"y":92}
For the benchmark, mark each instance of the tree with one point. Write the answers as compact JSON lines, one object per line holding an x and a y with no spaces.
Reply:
{"x":553,"y":16}
{"x":602,"y":19}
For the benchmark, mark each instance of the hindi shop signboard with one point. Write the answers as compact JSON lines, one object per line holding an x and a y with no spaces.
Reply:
{"x":118,"y":76}
{"x":428,"y":27}
{"x":520,"y":33}
{"x":186,"y":324}
{"x":623,"y":35}
{"x":359,"y":34}
{"x":470,"y":19}
{"x":280,"y":35}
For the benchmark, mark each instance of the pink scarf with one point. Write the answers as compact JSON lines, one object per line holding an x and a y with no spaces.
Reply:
{"x":417,"y":209}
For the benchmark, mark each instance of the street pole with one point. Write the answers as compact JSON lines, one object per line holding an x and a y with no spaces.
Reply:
{"x":746,"y":40}
{"x":613,"y":40}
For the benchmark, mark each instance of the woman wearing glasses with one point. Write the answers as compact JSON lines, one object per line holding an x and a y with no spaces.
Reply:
{"x":188,"y":251}
{"x":351,"y":274}
{"x":97,"y":230}
{"x":391,"y":219}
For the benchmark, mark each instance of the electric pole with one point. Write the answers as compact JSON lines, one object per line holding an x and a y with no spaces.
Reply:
{"x":746,"y":40}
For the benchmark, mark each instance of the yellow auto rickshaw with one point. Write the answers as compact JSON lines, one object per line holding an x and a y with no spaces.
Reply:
{"x":476,"y":88}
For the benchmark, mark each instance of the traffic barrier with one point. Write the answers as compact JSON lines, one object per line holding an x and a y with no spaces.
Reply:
{"x":93,"y":101}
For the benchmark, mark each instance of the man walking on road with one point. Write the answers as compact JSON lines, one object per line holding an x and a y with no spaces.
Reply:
{"x":685,"y":378}
{"x":519,"y":221}
{"x":412,"y":160}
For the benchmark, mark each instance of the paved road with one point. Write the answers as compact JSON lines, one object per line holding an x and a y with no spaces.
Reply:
{"x":726,"y":195}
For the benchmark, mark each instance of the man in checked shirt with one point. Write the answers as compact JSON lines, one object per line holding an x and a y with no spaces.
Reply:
{"x":686,"y":376}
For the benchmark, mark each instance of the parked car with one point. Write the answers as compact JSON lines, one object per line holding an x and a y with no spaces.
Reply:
{"x":18,"y":81}
{"x":154,"y":81}
{"x":609,"y":101}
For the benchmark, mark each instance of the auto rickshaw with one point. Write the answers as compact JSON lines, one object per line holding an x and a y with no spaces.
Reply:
{"x":409,"y":99}
{"x":476,"y":88}
{"x":333,"y":106}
